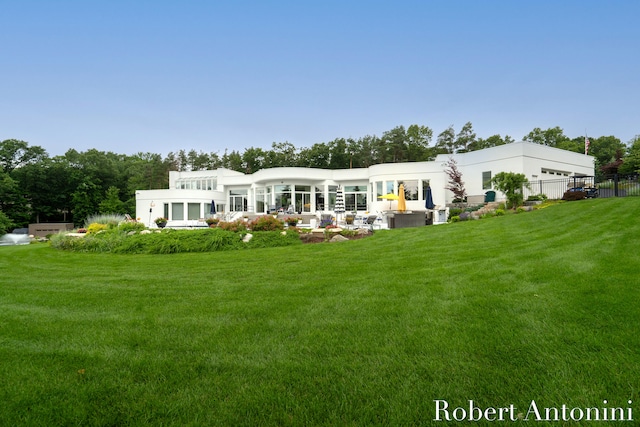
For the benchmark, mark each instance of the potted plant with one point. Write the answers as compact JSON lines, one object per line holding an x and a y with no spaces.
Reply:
{"x":212,"y":222}
{"x":161,"y":222}
{"x":292,"y":221}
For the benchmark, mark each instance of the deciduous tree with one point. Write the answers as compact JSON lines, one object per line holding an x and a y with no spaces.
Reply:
{"x":511,"y":184}
{"x":455,"y":183}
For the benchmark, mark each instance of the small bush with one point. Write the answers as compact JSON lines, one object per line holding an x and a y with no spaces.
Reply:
{"x":574,"y":195}
{"x":111,"y":220}
{"x":537,"y":197}
{"x":96,"y":227}
{"x":499,"y":212}
{"x":349,"y":233}
{"x":455,"y":211}
{"x":235,"y":226}
{"x":454,"y":218}
{"x":266,"y":223}
{"x":127,"y":226}
{"x":473,"y":208}
{"x":520,"y":209}
{"x":212,"y":222}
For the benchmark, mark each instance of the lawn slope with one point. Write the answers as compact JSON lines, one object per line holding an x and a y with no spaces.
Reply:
{"x":540,"y":306}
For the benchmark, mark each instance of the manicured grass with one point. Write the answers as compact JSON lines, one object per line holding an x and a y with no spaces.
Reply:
{"x":540,"y":306}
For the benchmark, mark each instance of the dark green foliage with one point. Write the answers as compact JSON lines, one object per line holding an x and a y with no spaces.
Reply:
{"x":127,"y":226}
{"x":5,"y":223}
{"x":511,"y":184}
{"x":272,"y":239}
{"x":178,"y":241}
{"x":171,"y":241}
{"x":537,"y":197}
{"x":455,"y":211}
{"x":574,"y":195}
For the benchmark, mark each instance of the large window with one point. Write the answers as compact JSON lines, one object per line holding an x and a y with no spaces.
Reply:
{"x":283,"y":196}
{"x":261,"y":205}
{"x":204,"y":183}
{"x":238,"y":200}
{"x":332,"y":197}
{"x":389,"y":188}
{"x":193,"y":211}
{"x":320,"y":198}
{"x":486,"y":180}
{"x":425,"y":185}
{"x":355,"y":197}
{"x":177,"y":211}
{"x":303,"y":198}
{"x":410,"y":189}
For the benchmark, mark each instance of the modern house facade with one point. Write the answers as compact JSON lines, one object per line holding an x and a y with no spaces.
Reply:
{"x":313,"y":191}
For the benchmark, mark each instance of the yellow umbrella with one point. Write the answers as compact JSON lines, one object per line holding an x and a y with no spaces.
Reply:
{"x":402,"y":204}
{"x":389,"y":197}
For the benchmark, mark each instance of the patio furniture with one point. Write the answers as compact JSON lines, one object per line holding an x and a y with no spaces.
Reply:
{"x":371,"y":221}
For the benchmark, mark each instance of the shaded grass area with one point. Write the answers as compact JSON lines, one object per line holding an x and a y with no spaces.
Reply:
{"x":540,"y":305}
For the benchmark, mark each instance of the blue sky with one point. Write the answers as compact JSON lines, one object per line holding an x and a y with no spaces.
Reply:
{"x":160,"y":76}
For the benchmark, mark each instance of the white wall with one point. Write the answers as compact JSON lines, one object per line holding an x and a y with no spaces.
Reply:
{"x":518,"y":157}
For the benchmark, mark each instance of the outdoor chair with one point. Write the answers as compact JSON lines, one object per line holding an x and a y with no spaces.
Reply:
{"x":371,"y":221}
{"x":350,"y":220}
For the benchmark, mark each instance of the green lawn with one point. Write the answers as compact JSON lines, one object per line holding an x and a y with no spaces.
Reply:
{"x":540,"y":306}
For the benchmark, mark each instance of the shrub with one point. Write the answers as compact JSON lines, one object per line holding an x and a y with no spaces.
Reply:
{"x":266,"y":223}
{"x":520,"y":209}
{"x":127,"y":226}
{"x":537,"y":197}
{"x":100,"y":242}
{"x":348,"y":233}
{"x":499,"y":212}
{"x":5,"y":223}
{"x":454,"y":218}
{"x":235,"y":226}
{"x":473,"y":208}
{"x":455,"y":211}
{"x":96,"y":227}
{"x":272,"y":239}
{"x":110,"y":220}
{"x":574,"y":195}
{"x":326,"y":222}
{"x":213,"y":222}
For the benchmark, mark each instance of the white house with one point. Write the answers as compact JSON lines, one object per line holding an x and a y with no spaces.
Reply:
{"x":312,"y":191}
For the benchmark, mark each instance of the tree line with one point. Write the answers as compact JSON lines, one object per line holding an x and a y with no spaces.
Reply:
{"x":35,"y":187}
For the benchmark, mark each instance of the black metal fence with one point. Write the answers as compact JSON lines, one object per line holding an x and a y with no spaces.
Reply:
{"x":619,"y":186}
{"x":609,"y":186}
